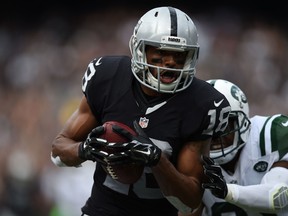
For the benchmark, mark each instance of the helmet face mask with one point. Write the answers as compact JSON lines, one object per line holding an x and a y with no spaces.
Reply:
{"x":225,"y":148}
{"x":168,"y":29}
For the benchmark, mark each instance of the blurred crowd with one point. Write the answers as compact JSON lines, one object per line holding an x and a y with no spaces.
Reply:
{"x":41,"y":68}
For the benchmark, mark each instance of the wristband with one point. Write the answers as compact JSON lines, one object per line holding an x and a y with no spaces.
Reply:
{"x":57,"y":161}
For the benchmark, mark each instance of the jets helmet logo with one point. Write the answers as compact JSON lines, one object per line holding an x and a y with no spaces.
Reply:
{"x":238,"y":95}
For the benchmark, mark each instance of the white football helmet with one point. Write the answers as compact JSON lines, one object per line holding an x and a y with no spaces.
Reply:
{"x":239,"y":124}
{"x":170,"y":29}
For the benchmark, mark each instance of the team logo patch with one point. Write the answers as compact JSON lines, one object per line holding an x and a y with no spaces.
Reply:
{"x":143,"y":122}
{"x":261,"y":166}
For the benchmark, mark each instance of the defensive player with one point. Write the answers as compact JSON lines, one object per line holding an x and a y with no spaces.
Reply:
{"x":253,"y":159}
{"x":158,"y":89}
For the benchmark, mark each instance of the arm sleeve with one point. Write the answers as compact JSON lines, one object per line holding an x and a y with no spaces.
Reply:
{"x":270,"y":196}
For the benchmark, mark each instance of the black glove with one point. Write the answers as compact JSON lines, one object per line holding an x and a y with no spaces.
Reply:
{"x":217,"y":183}
{"x":92,"y":147}
{"x":139,"y":149}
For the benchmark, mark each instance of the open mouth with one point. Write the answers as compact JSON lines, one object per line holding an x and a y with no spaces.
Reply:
{"x":168,"y":76}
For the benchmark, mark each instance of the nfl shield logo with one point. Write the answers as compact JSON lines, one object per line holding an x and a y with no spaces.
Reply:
{"x":143,"y":122}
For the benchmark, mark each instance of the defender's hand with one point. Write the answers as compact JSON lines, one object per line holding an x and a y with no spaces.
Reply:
{"x":92,"y":147}
{"x":217,"y":183}
{"x":139,"y":149}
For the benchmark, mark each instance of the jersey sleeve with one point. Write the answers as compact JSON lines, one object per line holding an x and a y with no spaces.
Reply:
{"x":212,"y":114}
{"x":274,"y":136}
{"x":107,"y":80}
{"x":218,"y":110}
{"x":89,"y":74}
{"x":90,"y":84}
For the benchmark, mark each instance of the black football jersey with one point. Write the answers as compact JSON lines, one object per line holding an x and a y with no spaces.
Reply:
{"x":171,"y":120}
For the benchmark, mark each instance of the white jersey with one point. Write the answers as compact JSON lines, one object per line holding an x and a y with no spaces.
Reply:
{"x":267,"y":143}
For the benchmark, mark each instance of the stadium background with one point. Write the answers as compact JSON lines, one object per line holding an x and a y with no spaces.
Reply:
{"x":45,"y":48}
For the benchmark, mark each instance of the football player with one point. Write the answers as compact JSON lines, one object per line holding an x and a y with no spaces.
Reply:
{"x":174,"y":113}
{"x":248,"y":167}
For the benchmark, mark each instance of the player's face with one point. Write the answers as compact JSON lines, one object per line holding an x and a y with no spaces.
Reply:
{"x":226,"y":140}
{"x":168,"y":59}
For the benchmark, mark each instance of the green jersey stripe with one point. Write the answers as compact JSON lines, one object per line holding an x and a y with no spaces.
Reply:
{"x":262,"y":138}
{"x":278,"y":133}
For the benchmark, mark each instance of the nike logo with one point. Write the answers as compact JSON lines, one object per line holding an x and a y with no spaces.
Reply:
{"x":218,"y":104}
{"x":148,"y":152}
{"x":157,"y":106}
{"x":285,"y":124}
{"x":98,"y":62}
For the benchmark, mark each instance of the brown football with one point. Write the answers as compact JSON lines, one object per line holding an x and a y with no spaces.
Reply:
{"x":128,"y":173}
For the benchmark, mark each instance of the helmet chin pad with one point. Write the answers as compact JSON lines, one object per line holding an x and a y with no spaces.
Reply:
{"x":226,"y":155}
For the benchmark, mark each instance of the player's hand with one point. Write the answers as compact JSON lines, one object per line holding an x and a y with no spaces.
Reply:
{"x":92,"y":147}
{"x":139,"y":149}
{"x":216,"y":182}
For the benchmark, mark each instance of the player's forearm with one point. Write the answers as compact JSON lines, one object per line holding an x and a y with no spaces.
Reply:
{"x":268,"y":197}
{"x":65,"y":150}
{"x":176,"y":186}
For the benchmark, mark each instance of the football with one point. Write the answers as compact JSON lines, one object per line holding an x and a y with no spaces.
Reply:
{"x":128,"y":173}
